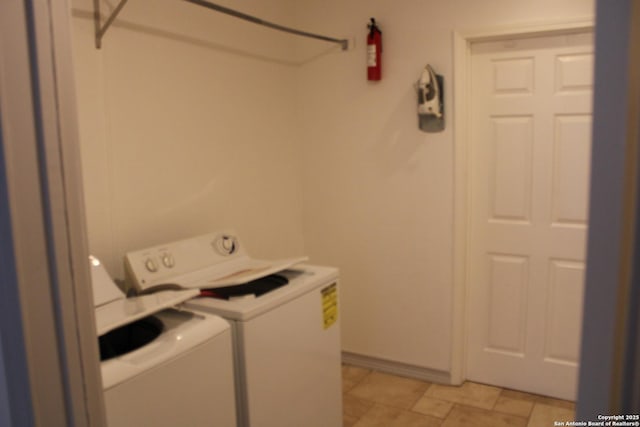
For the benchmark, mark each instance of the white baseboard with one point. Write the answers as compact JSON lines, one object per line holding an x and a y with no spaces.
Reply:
{"x":396,"y":368}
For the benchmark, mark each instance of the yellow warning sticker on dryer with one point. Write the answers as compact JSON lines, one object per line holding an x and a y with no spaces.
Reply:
{"x":330,"y":305}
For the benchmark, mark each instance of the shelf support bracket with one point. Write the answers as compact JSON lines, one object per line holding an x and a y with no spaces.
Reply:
{"x":97,"y":18}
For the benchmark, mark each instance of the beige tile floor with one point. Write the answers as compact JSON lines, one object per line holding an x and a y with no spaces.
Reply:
{"x":375,"y":399}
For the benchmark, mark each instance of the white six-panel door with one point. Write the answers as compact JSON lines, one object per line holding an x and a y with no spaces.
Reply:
{"x":530,"y":157}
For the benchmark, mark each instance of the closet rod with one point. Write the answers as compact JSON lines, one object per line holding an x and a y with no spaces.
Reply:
{"x":344,"y":43}
{"x":101,"y":30}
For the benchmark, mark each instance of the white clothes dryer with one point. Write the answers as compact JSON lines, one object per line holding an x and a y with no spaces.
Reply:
{"x":161,"y":366}
{"x":286,"y":327}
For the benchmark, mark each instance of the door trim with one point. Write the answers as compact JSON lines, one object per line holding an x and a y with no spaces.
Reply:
{"x":462,"y":41}
{"x":47,"y":306}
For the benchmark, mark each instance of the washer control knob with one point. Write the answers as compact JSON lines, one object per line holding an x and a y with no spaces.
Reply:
{"x":150,"y":265}
{"x":168,"y":260}
{"x":225,"y":244}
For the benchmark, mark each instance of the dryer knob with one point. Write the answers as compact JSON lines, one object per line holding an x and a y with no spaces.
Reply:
{"x":151,"y":265}
{"x":168,"y":260}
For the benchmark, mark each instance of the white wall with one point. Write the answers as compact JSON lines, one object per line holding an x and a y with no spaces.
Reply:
{"x":379,"y":192}
{"x":192,"y":121}
{"x":186,"y":128}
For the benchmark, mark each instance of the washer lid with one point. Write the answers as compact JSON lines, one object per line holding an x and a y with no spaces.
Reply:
{"x":114,"y":310}
{"x":104,"y":289}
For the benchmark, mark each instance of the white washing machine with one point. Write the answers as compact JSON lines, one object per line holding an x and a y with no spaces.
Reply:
{"x":161,"y":366}
{"x":286,"y":327}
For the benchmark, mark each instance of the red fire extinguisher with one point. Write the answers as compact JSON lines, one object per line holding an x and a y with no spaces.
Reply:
{"x":374,"y":49}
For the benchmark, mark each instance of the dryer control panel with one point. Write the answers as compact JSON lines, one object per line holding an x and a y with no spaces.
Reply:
{"x":162,"y":263}
{"x":207,"y":261}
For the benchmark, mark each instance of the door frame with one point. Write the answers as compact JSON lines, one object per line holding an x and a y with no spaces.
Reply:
{"x":49,"y":359}
{"x":462,"y":41}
